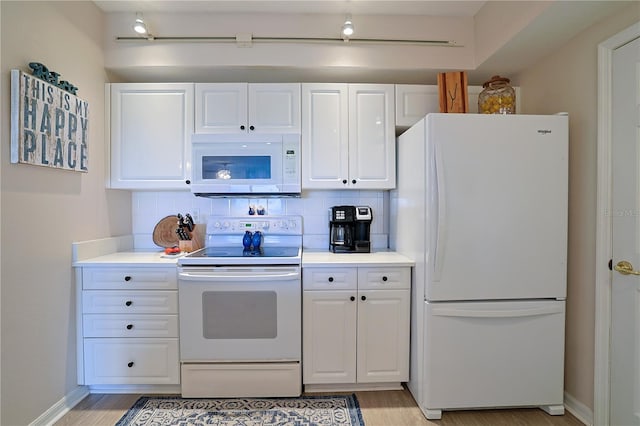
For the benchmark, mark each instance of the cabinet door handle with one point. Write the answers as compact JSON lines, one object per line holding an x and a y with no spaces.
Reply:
{"x":344,"y":181}
{"x":128,"y":303}
{"x":127,"y":278}
{"x":188,"y":182}
{"x":129,"y":326}
{"x":352,"y":298}
{"x":330,"y":279}
{"x":251,"y":128}
{"x":363,"y":298}
{"x":384,"y":278}
{"x":353,"y":181}
{"x":130,"y":364}
{"x":241,"y":127}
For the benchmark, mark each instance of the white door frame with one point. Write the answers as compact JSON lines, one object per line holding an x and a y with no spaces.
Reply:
{"x":602,"y":390}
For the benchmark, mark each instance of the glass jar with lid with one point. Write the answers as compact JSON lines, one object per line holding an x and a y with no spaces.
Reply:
{"x":497,"y":97}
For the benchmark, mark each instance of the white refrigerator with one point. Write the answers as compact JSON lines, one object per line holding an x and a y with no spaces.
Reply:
{"x":481,"y":206}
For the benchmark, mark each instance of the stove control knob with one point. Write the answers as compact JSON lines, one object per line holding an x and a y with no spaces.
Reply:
{"x":292,"y":224}
{"x":283,"y":225}
{"x":216,"y":225}
{"x":225,"y":225}
{"x":265,"y":225}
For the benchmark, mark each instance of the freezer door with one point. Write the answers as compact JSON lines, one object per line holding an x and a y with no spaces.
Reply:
{"x":494,"y":354}
{"x":497,"y":201}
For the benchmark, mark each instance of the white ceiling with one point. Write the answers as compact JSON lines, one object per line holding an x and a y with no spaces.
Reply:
{"x":356,"y":7}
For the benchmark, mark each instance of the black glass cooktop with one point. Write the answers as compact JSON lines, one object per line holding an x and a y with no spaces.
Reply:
{"x":242,"y":252}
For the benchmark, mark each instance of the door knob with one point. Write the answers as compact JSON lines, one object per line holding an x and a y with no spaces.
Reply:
{"x":625,"y":268}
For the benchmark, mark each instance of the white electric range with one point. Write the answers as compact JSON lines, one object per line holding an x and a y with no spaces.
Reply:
{"x":240,"y":309}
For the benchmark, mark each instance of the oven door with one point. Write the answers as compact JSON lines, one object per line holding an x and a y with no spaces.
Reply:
{"x":230,"y":314}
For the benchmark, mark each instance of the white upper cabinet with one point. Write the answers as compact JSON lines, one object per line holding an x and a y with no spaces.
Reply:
{"x":414,"y":101}
{"x":242,"y":108}
{"x":150,"y":130}
{"x":348,"y":136}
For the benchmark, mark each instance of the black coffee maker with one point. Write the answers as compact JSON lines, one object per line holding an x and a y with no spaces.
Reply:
{"x":349,"y":229}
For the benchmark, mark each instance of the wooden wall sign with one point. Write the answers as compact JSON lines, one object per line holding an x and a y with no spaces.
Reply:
{"x":452,"y":88}
{"x":49,"y":125}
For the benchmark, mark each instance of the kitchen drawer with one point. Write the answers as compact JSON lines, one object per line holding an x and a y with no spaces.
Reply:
{"x":131,"y":278}
{"x":127,"y":325}
{"x":329,"y":279}
{"x":131,"y":361}
{"x":129,"y":302}
{"x":384,"y":278}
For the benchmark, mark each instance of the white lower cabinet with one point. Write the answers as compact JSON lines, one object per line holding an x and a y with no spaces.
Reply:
{"x":355,"y":326}
{"x":129,"y":326}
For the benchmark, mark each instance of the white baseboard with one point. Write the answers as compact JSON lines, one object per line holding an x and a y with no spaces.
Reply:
{"x":62,"y":407}
{"x":578,"y":409}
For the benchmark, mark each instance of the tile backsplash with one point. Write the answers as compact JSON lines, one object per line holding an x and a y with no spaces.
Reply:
{"x":149,"y":207}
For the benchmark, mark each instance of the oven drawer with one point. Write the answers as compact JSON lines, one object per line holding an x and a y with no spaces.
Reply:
{"x":329,"y":278}
{"x":131,"y":278}
{"x":129,"y":325}
{"x":131,"y":361}
{"x":381,"y":278}
{"x":133,"y":302}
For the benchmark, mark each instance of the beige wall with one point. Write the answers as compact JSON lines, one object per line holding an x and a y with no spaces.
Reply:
{"x":44,"y":210}
{"x":567,"y":81}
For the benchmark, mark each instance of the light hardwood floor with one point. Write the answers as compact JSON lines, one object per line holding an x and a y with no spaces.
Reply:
{"x":380,"y":408}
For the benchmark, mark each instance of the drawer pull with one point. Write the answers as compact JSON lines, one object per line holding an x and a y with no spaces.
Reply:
{"x":128,"y":303}
{"x":352,"y":298}
{"x":384,"y":278}
{"x":127,"y":278}
{"x":129,"y":326}
{"x":130,"y":364}
{"x":363,"y":298}
{"x":330,"y":279}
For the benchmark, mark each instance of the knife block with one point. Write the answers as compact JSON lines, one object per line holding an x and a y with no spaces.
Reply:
{"x":197,"y":239}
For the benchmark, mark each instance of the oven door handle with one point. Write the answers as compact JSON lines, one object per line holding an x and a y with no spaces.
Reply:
{"x":238,"y":276}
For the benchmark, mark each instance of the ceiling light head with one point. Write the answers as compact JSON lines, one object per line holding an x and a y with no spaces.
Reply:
{"x":139,"y":26}
{"x":347,"y":28}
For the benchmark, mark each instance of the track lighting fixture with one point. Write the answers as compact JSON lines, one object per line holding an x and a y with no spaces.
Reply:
{"x":139,"y":26}
{"x":347,"y":28}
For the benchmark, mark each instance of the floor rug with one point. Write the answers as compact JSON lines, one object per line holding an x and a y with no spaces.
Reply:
{"x":303,"y":411}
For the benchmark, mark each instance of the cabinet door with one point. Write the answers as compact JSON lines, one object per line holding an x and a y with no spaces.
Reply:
{"x":221,"y":107}
{"x":414,"y":101}
{"x":151,"y":126}
{"x":325,"y":139}
{"x":383,"y":336}
{"x":329,"y":337}
{"x":372,"y":136}
{"x":274,"y":108}
{"x":131,"y":361}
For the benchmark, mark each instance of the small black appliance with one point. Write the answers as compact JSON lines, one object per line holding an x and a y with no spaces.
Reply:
{"x":349,"y":229}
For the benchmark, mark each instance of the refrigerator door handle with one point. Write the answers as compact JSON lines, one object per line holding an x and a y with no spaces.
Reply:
{"x":441,"y":219}
{"x":498,"y":313}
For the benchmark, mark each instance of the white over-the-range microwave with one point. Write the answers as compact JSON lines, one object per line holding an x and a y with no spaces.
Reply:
{"x":256,"y":165}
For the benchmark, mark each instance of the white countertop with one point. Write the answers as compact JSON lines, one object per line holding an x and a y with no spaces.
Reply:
{"x":309,"y":258}
{"x":131,"y":258}
{"x":376,"y":258}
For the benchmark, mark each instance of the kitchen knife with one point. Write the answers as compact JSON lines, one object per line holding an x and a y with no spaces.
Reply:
{"x":189,"y":222}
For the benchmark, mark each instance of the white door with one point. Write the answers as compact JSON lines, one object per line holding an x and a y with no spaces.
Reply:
{"x":325,"y":140}
{"x":274,"y":108}
{"x":221,"y":107}
{"x":372,"y":148}
{"x":329,"y":337}
{"x":625,"y":290}
{"x":498,"y":203}
{"x":383,"y":336}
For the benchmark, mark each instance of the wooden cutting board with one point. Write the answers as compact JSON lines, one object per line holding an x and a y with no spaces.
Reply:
{"x":164,"y":234}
